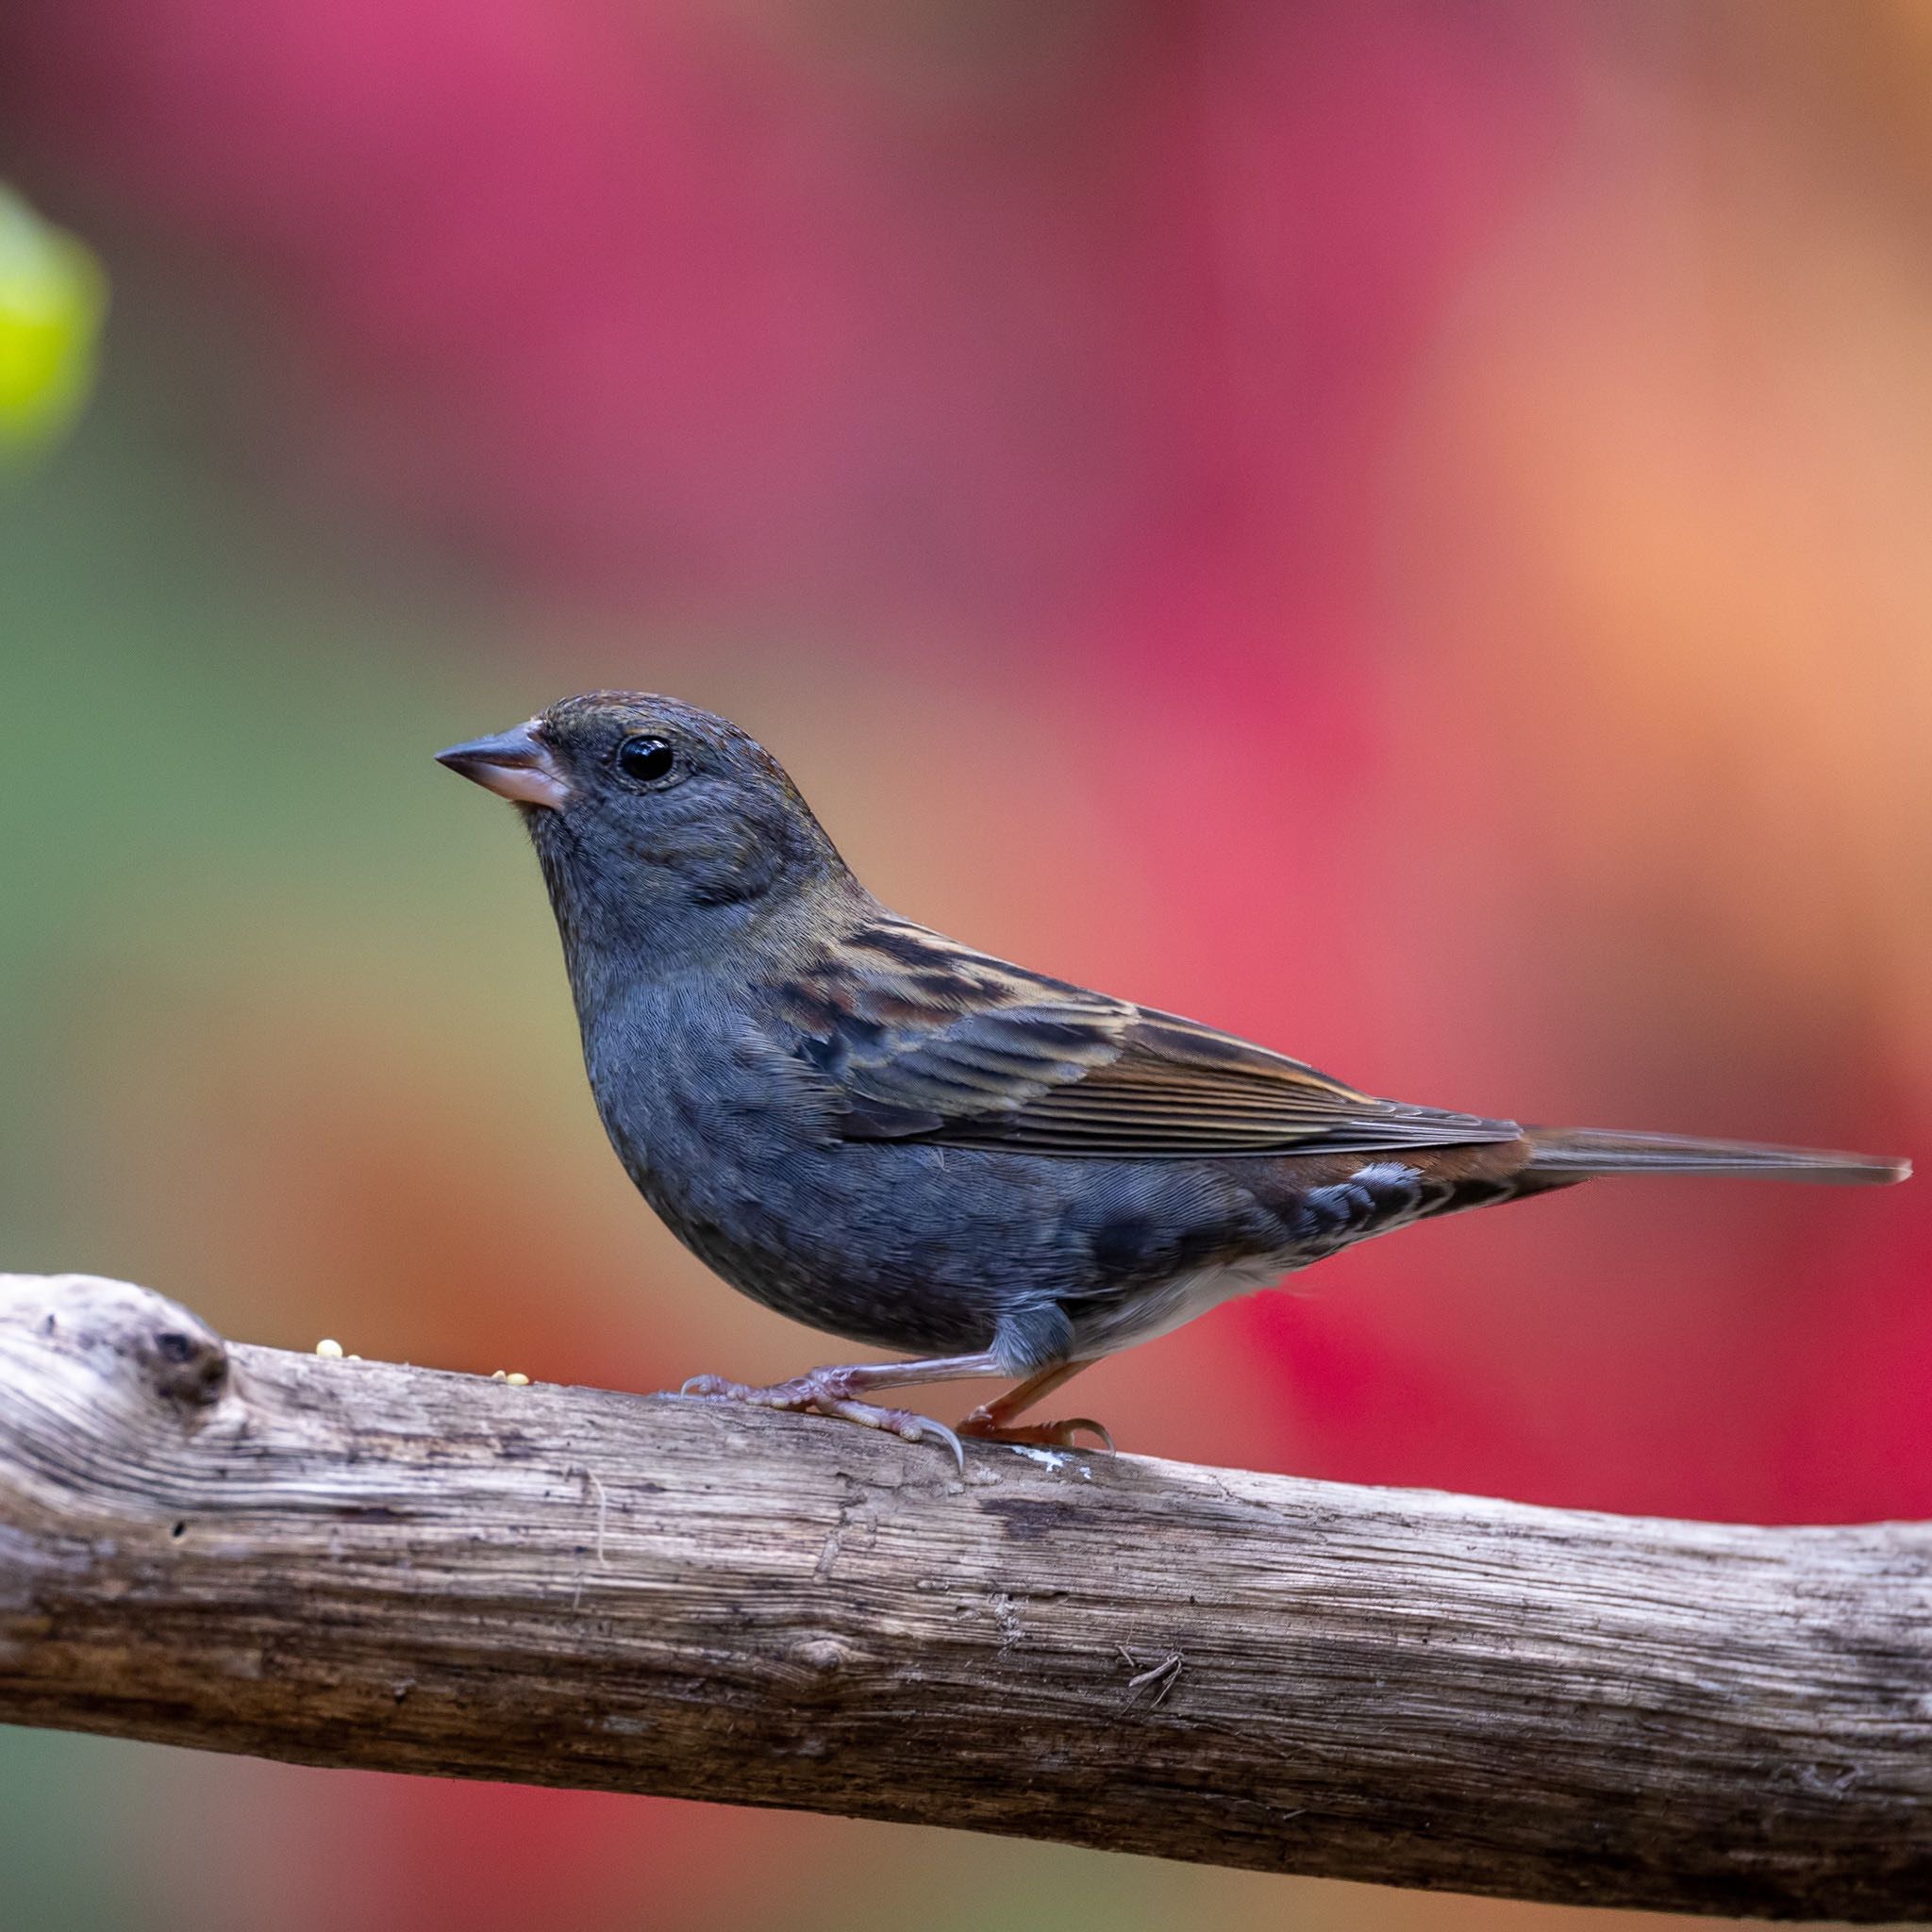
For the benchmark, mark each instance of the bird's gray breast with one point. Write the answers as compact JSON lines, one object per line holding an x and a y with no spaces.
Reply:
{"x":731,"y":1140}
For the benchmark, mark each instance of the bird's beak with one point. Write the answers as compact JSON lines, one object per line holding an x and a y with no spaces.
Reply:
{"x":513,"y":764}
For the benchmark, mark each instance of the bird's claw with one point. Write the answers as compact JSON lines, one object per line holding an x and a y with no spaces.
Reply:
{"x":983,"y":1426}
{"x":721,"y":1389}
{"x":908,"y":1425}
{"x":830,"y":1395}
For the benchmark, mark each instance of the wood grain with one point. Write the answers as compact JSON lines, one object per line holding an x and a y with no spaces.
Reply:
{"x":358,"y":1563}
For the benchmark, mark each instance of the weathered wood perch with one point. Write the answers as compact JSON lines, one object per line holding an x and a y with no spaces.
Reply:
{"x":357,"y":1563}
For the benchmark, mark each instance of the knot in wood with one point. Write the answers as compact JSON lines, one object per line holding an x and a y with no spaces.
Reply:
{"x":185,"y":1364}
{"x":822,"y":1655}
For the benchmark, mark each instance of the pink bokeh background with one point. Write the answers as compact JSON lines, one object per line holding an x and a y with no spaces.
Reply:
{"x":1396,"y":529}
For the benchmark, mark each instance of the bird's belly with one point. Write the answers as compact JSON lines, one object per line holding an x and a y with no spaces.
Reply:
{"x":1308,"y":1224}
{"x":1120,"y":1323}
{"x":945,"y":1250}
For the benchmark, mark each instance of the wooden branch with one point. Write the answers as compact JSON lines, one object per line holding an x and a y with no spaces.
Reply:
{"x":358,"y":1563}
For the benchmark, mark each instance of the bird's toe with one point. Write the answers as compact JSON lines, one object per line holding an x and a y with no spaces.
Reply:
{"x":982,"y":1427}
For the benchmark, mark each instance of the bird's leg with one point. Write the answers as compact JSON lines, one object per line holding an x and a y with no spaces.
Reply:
{"x":836,"y":1391}
{"x":992,"y":1421}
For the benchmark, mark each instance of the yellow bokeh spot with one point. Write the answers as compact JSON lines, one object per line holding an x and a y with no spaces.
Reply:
{"x":53,"y":295}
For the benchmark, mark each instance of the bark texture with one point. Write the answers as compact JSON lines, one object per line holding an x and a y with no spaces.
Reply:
{"x":358,"y":1563}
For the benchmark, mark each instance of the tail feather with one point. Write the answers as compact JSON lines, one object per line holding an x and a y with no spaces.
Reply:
{"x":1584,"y":1152}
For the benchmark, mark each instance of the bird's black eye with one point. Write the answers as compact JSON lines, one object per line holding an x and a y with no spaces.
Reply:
{"x":645,"y":759}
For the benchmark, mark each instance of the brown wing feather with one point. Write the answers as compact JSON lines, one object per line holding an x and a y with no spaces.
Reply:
{"x":922,"y":1039}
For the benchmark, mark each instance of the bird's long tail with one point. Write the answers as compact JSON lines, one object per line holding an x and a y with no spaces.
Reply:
{"x":1583,"y":1153}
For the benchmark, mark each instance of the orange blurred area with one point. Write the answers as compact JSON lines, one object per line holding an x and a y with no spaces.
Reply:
{"x":1396,"y":531}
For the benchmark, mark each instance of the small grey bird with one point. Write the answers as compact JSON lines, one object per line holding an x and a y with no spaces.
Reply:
{"x":880,"y":1132}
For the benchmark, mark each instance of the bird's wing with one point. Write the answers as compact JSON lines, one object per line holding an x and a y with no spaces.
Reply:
{"x":919,"y":1039}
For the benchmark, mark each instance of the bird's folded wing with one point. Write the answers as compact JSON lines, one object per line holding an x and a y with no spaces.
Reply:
{"x":922,"y":1040}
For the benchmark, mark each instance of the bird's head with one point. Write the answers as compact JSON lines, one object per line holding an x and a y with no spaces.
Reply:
{"x":656,"y":823}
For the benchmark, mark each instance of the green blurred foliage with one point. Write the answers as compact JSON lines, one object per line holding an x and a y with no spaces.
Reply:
{"x":52,"y":297}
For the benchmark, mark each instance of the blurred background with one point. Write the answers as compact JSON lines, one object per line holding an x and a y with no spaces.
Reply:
{"x":1398,"y":529}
